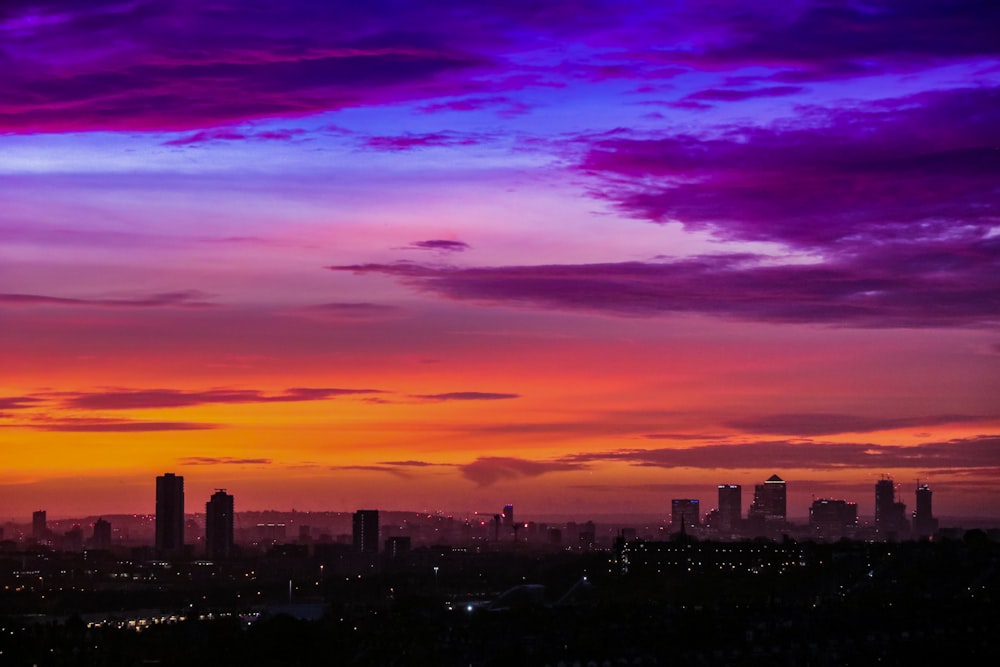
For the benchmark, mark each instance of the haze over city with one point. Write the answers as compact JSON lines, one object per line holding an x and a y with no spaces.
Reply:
{"x":582,"y":257}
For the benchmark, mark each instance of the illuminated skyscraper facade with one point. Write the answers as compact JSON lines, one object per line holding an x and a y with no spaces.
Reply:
{"x":686,"y":511}
{"x":366,"y":531}
{"x":770,"y":501}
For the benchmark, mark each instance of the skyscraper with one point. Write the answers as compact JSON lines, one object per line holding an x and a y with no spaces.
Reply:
{"x":924,"y":523}
{"x":366,"y":531}
{"x":890,"y":516}
{"x":39,"y":526}
{"x":769,"y":500}
{"x":169,"y":514}
{"x":833,"y":519}
{"x":102,"y":535}
{"x":508,"y":515}
{"x":686,"y":511}
{"x":219,"y":526}
{"x":730,"y":505}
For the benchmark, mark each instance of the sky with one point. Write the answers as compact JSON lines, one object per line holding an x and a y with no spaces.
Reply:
{"x":579,"y":256}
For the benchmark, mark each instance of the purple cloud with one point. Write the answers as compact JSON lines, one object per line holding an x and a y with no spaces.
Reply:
{"x":220,"y":460}
{"x":944,"y":284}
{"x":407,"y":142}
{"x":222,"y":134}
{"x":73,"y":425}
{"x":487,"y":470}
{"x":444,"y":245}
{"x":921,"y":168}
{"x":466,"y":396}
{"x":808,"y":424}
{"x":183,"y":299}
{"x":145,"y":399}
{"x":18,"y":402}
{"x":732,"y":95}
{"x":961,"y":453}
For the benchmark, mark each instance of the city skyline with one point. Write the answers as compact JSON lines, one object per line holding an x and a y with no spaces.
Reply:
{"x":443,"y":256}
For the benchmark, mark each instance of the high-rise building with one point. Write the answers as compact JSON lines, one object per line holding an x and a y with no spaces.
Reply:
{"x":832,"y":519}
{"x":508,"y":515}
{"x":102,"y":535}
{"x":770,"y":500}
{"x":366,"y":531}
{"x":924,"y":523}
{"x":39,"y":525}
{"x":686,"y":511}
{"x":169,"y":514}
{"x":730,"y":505}
{"x":219,"y":526}
{"x":890,"y":515}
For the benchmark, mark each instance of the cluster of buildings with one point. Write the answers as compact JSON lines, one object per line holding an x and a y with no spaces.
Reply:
{"x":767,"y":515}
{"x":828,"y":518}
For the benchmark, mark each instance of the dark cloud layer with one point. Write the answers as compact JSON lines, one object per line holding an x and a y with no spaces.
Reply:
{"x":933,"y":285}
{"x":182,"y":299}
{"x":221,"y":460}
{"x":487,"y":470}
{"x":466,"y":396}
{"x":174,"y":398}
{"x":808,"y":424}
{"x":962,"y":453}
{"x":108,"y":64}
{"x":922,"y":168}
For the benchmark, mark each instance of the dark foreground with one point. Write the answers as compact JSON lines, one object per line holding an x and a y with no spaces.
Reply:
{"x":678,"y":604}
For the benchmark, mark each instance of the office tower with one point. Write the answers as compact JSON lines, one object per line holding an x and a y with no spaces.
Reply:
{"x":770,"y":501}
{"x":366,"y":531}
{"x":169,"y":514}
{"x":39,"y":526}
{"x":833,"y":519}
{"x":686,"y":511}
{"x":102,"y":535}
{"x":398,"y":545}
{"x":924,"y":523}
{"x":730,"y":505}
{"x":508,"y":515}
{"x":219,"y":526}
{"x":890,"y":515}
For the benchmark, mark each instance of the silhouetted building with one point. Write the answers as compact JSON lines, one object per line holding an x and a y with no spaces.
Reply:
{"x":730,"y":506}
{"x":890,"y":516}
{"x":397,"y":545}
{"x":39,"y":525}
{"x":102,"y":535}
{"x":219,"y":526}
{"x":686,"y":511}
{"x":508,"y":515}
{"x":924,"y":523}
{"x":73,"y":538}
{"x":366,"y":531}
{"x":169,"y":514}
{"x":769,"y":501}
{"x":833,"y":519}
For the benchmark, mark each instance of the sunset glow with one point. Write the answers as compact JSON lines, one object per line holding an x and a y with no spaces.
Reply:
{"x":583,"y":257}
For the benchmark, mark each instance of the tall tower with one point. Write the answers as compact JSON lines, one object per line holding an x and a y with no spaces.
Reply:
{"x":39,"y":525}
{"x":102,"y":535}
{"x":890,"y":515}
{"x":169,"y":514}
{"x":508,"y":515}
{"x":730,"y":505}
{"x":366,"y":531}
{"x":770,"y":500}
{"x":924,"y":523}
{"x":219,"y":526}
{"x":686,"y":511}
